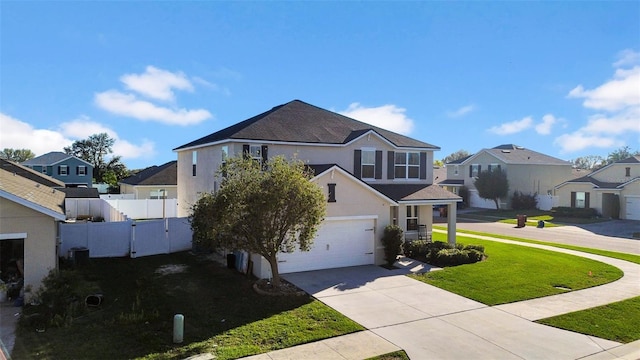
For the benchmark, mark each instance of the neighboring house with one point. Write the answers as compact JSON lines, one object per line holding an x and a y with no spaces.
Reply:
{"x":154,"y":182}
{"x":30,"y":174}
{"x":69,"y":169}
{"x":29,"y":217}
{"x":528,"y":172}
{"x":371,"y":178}
{"x":614,"y":190}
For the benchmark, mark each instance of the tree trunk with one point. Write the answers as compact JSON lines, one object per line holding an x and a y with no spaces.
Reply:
{"x":275,"y":280}
{"x":497,"y":203}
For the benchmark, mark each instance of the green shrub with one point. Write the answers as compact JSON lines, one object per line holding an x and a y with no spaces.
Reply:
{"x":564,"y":211}
{"x":392,"y":240}
{"x":479,"y":248}
{"x":520,"y":201}
{"x":416,"y":248}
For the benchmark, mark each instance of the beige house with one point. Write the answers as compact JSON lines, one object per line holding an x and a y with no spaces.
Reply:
{"x":29,"y":217}
{"x":613,"y":191}
{"x":154,"y":182}
{"x":371,"y":177}
{"x":528,"y":172}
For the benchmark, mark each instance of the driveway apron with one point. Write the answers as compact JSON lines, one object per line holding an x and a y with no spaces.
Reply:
{"x":431,"y":323}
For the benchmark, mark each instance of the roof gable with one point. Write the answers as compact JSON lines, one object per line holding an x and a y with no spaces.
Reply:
{"x":321,"y":169}
{"x":52,"y":158}
{"x":517,"y":155}
{"x":299,"y":122}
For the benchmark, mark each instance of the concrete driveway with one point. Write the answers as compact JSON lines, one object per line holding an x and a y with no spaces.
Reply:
{"x":430,"y":323}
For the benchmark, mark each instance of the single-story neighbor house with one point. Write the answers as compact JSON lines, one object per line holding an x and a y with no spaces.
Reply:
{"x":614,"y":190}
{"x":371,"y":178}
{"x":528,"y":172}
{"x":29,"y":217}
{"x":154,"y":182}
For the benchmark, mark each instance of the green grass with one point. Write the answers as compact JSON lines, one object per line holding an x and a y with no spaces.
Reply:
{"x":612,"y":254}
{"x":515,"y":273}
{"x":223,"y":315}
{"x":396,"y":355}
{"x":617,"y":321}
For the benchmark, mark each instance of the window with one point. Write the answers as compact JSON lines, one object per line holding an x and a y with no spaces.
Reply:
{"x":225,"y":153}
{"x":456,"y":170}
{"x":44,"y":169}
{"x":474,"y":170}
{"x":407,"y":165}
{"x":368,"y":164}
{"x":63,"y":170}
{"x":81,"y":170}
{"x":493,"y":167}
{"x":332,"y":192}
{"x":194,"y":162}
{"x":158,"y":194}
{"x":580,"y":200}
{"x":256,"y":152}
{"x":627,"y":171}
{"x":412,"y":218}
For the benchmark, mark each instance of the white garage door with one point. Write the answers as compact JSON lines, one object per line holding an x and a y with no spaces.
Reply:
{"x":633,"y":208}
{"x":339,"y":243}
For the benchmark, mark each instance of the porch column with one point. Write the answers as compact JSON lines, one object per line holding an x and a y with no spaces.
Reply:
{"x":451,"y":223}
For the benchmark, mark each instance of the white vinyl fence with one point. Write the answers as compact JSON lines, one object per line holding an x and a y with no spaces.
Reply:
{"x":146,"y":208}
{"x":126,"y":238}
{"x":547,"y":202}
{"x":86,"y":208}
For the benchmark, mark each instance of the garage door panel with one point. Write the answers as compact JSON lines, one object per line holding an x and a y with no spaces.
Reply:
{"x":339,"y":243}
{"x":633,"y":208}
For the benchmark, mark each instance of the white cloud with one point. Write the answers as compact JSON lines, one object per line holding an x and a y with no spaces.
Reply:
{"x":512,"y":127}
{"x":620,"y":92}
{"x":128,"y":105}
{"x":618,"y":103}
{"x":388,"y":117}
{"x":18,"y":134}
{"x":544,"y":128}
{"x":627,"y":57}
{"x":157,"y":83}
{"x":461,"y":111}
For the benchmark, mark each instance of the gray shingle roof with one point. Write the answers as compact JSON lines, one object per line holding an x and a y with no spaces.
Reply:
{"x":297,"y":121}
{"x":36,"y":195}
{"x":514,"y":154}
{"x":30,"y":174}
{"x":414,"y":192}
{"x":165,"y":174}
{"x":47,"y":159}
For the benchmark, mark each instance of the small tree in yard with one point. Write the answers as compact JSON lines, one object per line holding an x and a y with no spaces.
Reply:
{"x":260,"y":208}
{"x":392,"y":241}
{"x":492,"y":185}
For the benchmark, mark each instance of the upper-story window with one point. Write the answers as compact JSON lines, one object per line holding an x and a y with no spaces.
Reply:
{"x":456,"y":170}
{"x":194,"y":162}
{"x":63,"y":170}
{"x":627,"y":171}
{"x":81,"y":170}
{"x":44,"y":169}
{"x":474,"y":170}
{"x":368,"y":164}
{"x":407,"y":165}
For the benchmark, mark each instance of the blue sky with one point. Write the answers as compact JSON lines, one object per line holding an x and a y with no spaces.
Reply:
{"x":562,"y":78}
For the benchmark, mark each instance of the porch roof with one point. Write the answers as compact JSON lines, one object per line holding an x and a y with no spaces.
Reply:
{"x":416,"y":193}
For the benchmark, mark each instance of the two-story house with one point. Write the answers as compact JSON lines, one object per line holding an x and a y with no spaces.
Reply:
{"x":69,"y":169}
{"x":614,"y":190}
{"x":371,"y":177}
{"x":528,"y":172}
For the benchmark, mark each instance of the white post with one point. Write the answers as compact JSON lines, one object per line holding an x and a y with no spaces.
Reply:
{"x":178,"y":328}
{"x":451,"y":223}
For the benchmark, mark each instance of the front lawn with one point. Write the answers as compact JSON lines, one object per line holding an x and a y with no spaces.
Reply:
{"x":617,"y":322}
{"x":222,"y":315}
{"x":515,"y":273}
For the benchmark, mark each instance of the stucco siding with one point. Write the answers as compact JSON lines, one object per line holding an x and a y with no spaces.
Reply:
{"x":616,"y":173}
{"x":540,"y":179}
{"x":564,"y":195}
{"x":40,"y":244}
{"x":632,"y":190}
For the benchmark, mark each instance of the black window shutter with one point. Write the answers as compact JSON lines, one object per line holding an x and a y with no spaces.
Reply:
{"x":479,"y":169}
{"x":378,"y":164}
{"x":332,"y":192}
{"x":499,"y":167}
{"x":423,"y":165}
{"x":246,"y":151}
{"x":357,"y":163}
{"x":77,"y":170}
{"x":391,"y":162}
{"x":265,"y":151}
{"x":470,"y":170}
{"x":573,"y":199}
{"x":193,"y":170}
{"x":586,"y":200}
{"x":59,"y":171}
